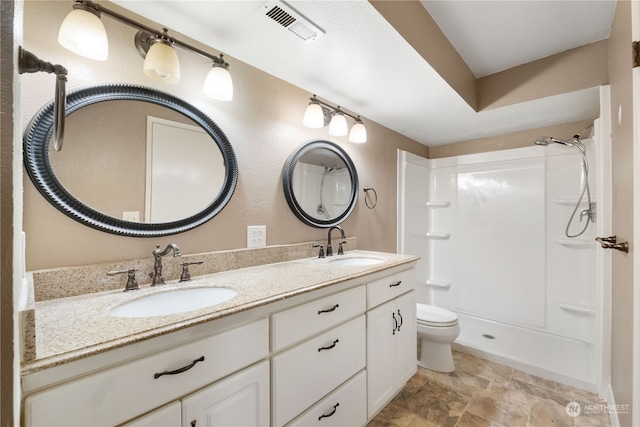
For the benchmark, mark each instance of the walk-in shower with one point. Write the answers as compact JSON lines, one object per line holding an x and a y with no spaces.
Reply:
{"x":589,"y":212}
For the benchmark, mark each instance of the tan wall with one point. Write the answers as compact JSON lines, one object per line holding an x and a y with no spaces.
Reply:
{"x":622,"y":215}
{"x":263,"y":123}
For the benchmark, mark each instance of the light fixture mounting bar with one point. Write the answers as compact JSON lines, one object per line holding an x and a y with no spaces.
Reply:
{"x":315,"y":99}
{"x":135,"y":24}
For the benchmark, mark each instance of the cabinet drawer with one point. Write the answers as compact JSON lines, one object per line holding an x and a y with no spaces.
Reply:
{"x":387,"y":288}
{"x":298,"y":323}
{"x":118,"y":394}
{"x":347,"y":406}
{"x":307,"y":372}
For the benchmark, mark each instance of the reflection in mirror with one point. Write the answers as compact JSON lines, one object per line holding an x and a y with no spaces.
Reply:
{"x":320,"y":184}
{"x":108,"y":145}
{"x":132,"y":154}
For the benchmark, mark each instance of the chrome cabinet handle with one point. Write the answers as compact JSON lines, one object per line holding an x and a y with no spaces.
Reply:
{"x":335,"y":407}
{"x":393,"y":285}
{"x":181,"y":370}
{"x":329,"y":310}
{"x":329,"y":347}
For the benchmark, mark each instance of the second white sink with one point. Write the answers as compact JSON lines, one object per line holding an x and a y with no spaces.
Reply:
{"x":173,"y":302}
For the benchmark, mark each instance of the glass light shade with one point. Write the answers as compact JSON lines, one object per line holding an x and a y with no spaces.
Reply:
{"x":338,"y":125}
{"x":82,"y":32}
{"x":218,"y":84}
{"x":313,"y":116}
{"x":358,"y":133}
{"x":162,"y":62}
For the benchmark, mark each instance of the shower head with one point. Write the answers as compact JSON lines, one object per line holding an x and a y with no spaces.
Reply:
{"x":545,"y":140}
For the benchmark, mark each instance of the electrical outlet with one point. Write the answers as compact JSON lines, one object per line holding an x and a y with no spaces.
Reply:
{"x":256,"y":236}
{"x":132,"y":216}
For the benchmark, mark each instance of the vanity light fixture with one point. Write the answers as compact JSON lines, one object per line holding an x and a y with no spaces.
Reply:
{"x":83,"y":33}
{"x":319,"y":114}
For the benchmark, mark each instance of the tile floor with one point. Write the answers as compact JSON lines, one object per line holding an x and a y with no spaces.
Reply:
{"x":480,"y":393}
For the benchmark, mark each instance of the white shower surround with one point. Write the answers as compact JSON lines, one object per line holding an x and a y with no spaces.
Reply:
{"x":490,"y":230}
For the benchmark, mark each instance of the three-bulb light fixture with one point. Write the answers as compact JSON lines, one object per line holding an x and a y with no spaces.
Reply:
{"x":82,"y":32}
{"x":320,"y":114}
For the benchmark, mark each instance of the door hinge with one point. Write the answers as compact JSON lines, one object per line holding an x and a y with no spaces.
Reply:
{"x":635,"y":48}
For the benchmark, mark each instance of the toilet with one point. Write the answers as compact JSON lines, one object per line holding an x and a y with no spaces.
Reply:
{"x":437,"y":329}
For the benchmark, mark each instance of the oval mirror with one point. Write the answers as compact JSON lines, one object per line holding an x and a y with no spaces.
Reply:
{"x":320,"y":183}
{"x":136,"y":161}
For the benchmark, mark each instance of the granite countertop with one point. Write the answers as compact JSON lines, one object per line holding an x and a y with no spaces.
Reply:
{"x":73,"y":328}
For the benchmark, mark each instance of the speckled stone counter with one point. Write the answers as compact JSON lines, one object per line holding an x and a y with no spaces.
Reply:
{"x":72,"y":328}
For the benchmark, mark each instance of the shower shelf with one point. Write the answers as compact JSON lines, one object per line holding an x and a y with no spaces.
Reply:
{"x":438,"y":235}
{"x":571,"y":201}
{"x":439,"y":204}
{"x":438,"y":284}
{"x":575,"y":308}
{"x":574,"y":243}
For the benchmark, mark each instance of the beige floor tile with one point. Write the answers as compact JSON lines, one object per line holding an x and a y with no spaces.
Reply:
{"x":533,"y":380}
{"x":545,"y":413}
{"x":502,"y":405}
{"x":470,"y":420}
{"x":421,"y":422}
{"x":484,"y":368}
{"x":439,"y":403}
{"x":541,"y":392}
{"x":402,"y":417}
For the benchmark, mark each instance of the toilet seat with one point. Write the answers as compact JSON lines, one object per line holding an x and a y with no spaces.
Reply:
{"x":430,"y":315}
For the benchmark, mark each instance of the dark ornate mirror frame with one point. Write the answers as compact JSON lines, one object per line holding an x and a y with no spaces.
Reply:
{"x":36,"y":158}
{"x":287,"y":181}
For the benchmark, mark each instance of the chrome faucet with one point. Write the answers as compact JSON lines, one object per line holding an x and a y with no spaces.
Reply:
{"x":157,"y":263}
{"x":329,"y":248}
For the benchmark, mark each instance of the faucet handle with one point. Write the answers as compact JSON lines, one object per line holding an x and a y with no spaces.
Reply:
{"x":321,"y":252}
{"x":340,"y":249}
{"x":185,"y":277}
{"x":132,"y":284}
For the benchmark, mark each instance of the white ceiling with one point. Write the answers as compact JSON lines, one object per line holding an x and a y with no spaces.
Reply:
{"x":365,"y":66}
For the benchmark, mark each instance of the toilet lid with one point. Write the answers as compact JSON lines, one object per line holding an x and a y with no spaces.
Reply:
{"x":433,"y":314}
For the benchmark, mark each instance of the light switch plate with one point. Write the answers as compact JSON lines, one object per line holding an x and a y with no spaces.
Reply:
{"x":256,"y":236}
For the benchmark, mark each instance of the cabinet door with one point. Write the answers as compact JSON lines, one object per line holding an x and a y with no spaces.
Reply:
{"x":405,"y":339}
{"x":391,"y":349}
{"x":240,"y":400}
{"x":380,"y":356}
{"x":167,"y":416}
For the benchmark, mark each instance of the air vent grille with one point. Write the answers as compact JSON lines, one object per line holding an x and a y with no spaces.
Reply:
{"x":287,"y":17}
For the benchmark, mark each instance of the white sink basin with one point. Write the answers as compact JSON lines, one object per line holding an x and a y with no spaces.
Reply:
{"x":357,"y":261}
{"x":173,"y":302}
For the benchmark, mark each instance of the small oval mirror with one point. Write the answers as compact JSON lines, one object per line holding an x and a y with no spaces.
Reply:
{"x":320,"y":183}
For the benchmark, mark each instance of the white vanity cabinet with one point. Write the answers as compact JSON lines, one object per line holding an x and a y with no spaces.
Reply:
{"x":332,"y":350}
{"x":391,"y":337}
{"x":117,"y":394}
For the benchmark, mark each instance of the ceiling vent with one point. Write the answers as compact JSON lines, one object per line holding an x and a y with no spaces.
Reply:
{"x":289,"y":18}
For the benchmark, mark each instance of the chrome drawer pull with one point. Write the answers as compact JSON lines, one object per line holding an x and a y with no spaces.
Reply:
{"x":181,"y":370}
{"x":330,"y":413}
{"x":393,"y":285}
{"x":329,"y":310}
{"x":329,"y":347}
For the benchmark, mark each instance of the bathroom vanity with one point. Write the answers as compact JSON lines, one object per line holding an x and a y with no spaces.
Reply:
{"x":304,"y":342}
